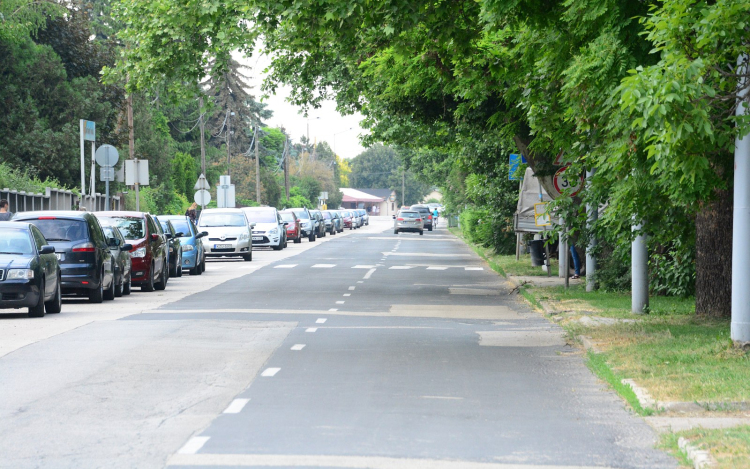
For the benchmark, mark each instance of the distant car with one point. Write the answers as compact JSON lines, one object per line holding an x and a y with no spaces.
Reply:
{"x":426,"y":214}
{"x":320,"y":224}
{"x":339,"y":220}
{"x":333,"y":221}
{"x":30,"y":275}
{"x":150,"y":265}
{"x":347,"y":219}
{"x":307,"y":223}
{"x":120,"y":250}
{"x":174,"y":253}
{"x":366,"y":217}
{"x":193,"y":255}
{"x":293,"y":230}
{"x":269,"y":228}
{"x":82,"y":251}
{"x":229,"y":233}
{"x":408,"y":220}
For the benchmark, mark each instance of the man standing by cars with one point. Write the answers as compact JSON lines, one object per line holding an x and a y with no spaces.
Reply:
{"x":4,"y":213}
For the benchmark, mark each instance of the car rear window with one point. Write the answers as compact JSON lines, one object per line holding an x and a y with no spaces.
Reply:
{"x":222,"y":219}
{"x":130,"y":227}
{"x":14,"y":241}
{"x":409,"y":214}
{"x":302,"y":214}
{"x":287,"y":216}
{"x":62,"y":230}
{"x":261,"y":216}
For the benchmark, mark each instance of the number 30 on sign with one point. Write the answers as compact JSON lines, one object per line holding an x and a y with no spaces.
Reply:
{"x":567,"y":182}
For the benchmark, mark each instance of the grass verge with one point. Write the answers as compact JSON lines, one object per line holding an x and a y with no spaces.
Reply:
{"x":598,"y":364}
{"x":729,"y":446}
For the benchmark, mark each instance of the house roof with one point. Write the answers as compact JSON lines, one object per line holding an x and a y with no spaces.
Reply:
{"x":384,"y":193}
{"x":354,"y":195}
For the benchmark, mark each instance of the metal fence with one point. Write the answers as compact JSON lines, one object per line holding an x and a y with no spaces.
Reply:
{"x":55,"y":199}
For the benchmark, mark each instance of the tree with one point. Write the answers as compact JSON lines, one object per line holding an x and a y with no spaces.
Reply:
{"x":20,"y":19}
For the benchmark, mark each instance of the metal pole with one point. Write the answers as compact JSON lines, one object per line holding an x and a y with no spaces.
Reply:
{"x":203,"y":133}
{"x":229,"y":132}
{"x":257,"y":167}
{"x":286,"y":167}
{"x":518,"y":246}
{"x":593,"y":214}
{"x":106,"y":186}
{"x":740,"y":330}
{"x":137,"y":189}
{"x":83,"y":158}
{"x":403,"y":188}
{"x":566,"y":267}
{"x":562,"y":249}
{"x":93,"y":168}
{"x":639,"y":259}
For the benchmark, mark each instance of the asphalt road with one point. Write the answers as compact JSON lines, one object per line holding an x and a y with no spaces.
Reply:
{"x":368,"y":350}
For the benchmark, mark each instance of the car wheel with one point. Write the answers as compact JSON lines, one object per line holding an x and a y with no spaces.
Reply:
{"x":109,"y":293}
{"x":395,"y":231}
{"x":311,"y":238}
{"x":179,"y":266}
{"x":248,"y":257}
{"x":421,"y":232}
{"x":119,"y":287}
{"x":203,"y":265}
{"x":286,"y":242}
{"x":429,"y":228}
{"x":162,"y":284}
{"x":278,"y":248}
{"x":97,"y":296}
{"x":149,"y":285}
{"x":54,"y":306}
{"x":37,"y":311}
{"x":127,"y":287}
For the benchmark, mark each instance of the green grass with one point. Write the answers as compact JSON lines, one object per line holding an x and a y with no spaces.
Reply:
{"x":729,"y":446}
{"x":598,"y":364}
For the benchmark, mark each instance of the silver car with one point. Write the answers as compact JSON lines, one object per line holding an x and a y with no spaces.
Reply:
{"x":408,"y":220}
{"x":269,"y":229}
{"x":229,"y":233}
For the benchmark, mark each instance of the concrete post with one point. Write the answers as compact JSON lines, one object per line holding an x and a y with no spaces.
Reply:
{"x":562,"y":250}
{"x":639,"y":261}
{"x":740,"y":331}
{"x":593,"y":214}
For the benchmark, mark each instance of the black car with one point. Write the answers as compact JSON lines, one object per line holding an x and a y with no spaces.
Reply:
{"x":426,"y":214}
{"x":319,"y":222}
{"x":82,"y":251}
{"x":29,"y":273}
{"x":174,"y":254}
{"x":120,"y":250}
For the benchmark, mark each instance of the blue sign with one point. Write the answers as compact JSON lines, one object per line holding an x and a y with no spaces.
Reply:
{"x":514,"y":162}
{"x":89,"y":131}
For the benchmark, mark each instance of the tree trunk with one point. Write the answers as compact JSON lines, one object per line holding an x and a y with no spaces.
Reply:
{"x":713,"y":257}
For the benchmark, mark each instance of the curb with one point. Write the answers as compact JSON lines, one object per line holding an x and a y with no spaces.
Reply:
{"x":701,"y":459}
{"x":588,"y":344}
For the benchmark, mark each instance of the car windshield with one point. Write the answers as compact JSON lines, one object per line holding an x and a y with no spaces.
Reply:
{"x":13,"y":241}
{"x":183,"y":226}
{"x":222,"y":219}
{"x":130,"y":227}
{"x":261,"y":216}
{"x":302,"y":214}
{"x":326,"y":215}
{"x":164,"y":226}
{"x":287,"y":216}
{"x":409,"y":215}
{"x":61,"y":230}
{"x":345,"y":214}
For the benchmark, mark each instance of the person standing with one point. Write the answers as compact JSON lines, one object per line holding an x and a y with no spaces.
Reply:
{"x":4,"y":213}
{"x":576,"y":261}
{"x":191,"y":212}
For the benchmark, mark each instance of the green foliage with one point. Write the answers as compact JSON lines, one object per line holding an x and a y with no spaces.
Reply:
{"x":296,"y":199}
{"x":184,"y":174}
{"x":19,"y":180}
{"x":19,"y":19}
{"x":672,"y":273}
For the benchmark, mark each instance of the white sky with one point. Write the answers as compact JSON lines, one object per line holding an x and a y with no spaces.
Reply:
{"x":325,"y":122}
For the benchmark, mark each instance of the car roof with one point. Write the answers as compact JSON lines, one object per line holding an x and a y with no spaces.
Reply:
{"x":259,"y":209}
{"x":172,"y":217}
{"x":122,"y":213}
{"x":222,"y":210}
{"x":62,"y":214}
{"x":15,"y":224}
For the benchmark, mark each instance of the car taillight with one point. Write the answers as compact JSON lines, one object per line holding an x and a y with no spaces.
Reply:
{"x":418,"y":219}
{"x":47,"y":218}
{"x":399,"y":219}
{"x":429,"y":217}
{"x":85,"y":247}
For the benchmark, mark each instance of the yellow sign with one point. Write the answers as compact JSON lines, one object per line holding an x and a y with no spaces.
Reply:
{"x":324,"y":207}
{"x":541,"y":217}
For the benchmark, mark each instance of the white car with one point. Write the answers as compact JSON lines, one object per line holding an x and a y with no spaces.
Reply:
{"x":269,"y":230}
{"x":228,"y":233}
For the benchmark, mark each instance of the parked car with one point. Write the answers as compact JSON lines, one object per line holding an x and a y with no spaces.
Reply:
{"x":306,"y":223}
{"x":193,"y":254}
{"x":174,"y":253}
{"x":150,"y":266}
{"x":366,"y":217}
{"x":120,"y":250}
{"x":293,"y":230}
{"x":320,"y":224}
{"x":347,"y":219}
{"x":408,"y":220}
{"x":269,"y":228}
{"x":82,"y":251}
{"x":357,"y":218}
{"x":328,"y":222}
{"x":30,"y":275}
{"x":229,"y":233}
{"x":333,"y":221}
{"x":426,"y":214}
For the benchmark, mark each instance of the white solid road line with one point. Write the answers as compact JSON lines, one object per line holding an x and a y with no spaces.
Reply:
{"x":298,"y":347}
{"x":236,"y":406}
{"x":321,"y":321}
{"x":369,"y":273}
{"x":339,"y":302}
{"x":352,"y":288}
{"x":323,"y":266}
{"x":311,"y":329}
{"x":194,"y":445}
{"x":268,"y":372}
{"x":285,"y":266}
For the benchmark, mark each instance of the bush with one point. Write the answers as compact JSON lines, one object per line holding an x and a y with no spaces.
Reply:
{"x":18,"y":180}
{"x":484,"y":227}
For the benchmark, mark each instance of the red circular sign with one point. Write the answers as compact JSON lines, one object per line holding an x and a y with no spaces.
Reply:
{"x":563,"y":183}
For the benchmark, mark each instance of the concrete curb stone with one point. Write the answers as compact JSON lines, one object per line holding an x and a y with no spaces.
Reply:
{"x":701,"y":459}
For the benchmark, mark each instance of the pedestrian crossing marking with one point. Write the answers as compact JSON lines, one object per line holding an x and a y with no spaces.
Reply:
{"x":400,"y":267}
{"x":323,"y":266}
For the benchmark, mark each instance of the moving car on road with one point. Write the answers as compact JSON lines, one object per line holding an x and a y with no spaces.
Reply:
{"x":307,"y":223}
{"x":269,"y":227}
{"x":30,"y":276}
{"x":174,"y":253}
{"x":426,"y":213}
{"x":293,"y":231}
{"x":229,"y":233}
{"x":150,"y":266}
{"x":120,"y":250}
{"x":82,"y":251}
{"x":193,"y":255}
{"x":408,"y":220}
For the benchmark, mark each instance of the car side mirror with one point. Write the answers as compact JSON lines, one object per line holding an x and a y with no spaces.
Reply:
{"x":113,"y":242}
{"x":201,"y":234}
{"x":168,"y":235}
{"x":154,"y":237}
{"x":179,"y":234}
{"x":394,"y":217}
{"x":126,"y":247}
{"x":286,"y":223}
{"x":252,"y":225}
{"x":47,"y":249}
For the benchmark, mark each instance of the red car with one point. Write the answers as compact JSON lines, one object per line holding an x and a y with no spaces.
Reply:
{"x":150,"y":267}
{"x":293,"y":230}
{"x":347,"y":219}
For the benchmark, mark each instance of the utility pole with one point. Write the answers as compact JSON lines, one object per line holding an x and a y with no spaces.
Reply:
{"x":403,"y":187}
{"x":131,"y":147}
{"x":286,"y":167}
{"x":639,"y":280}
{"x":203,"y":138}
{"x":257,"y":167}
{"x":593,"y":214}
{"x":229,"y":134}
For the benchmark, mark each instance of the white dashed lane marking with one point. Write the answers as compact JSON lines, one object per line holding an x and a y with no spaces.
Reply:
{"x":298,"y":347}
{"x":400,"y":267}
{"x":473,"y":268}
{"x":333,"y":309}
{"x":321,"y":321}
{"x":268,"y":372}
{"x":339,"y":302}
{"x":285,"y":266}
{"x":194,"y":445}
{"x":323,"y":266}
{"x":347,"y":294}
{"x":437,"y":268}
{"x":369,"y":273}
{"x":363,"y":267}
{"x":352,"y":288}
{"x":311,"y":329}
{"x":236,"y":406}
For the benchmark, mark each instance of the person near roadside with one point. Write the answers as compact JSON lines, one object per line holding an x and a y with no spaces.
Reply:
{"x":191,"y":212}
{"x":4,"y":213}
{"x":435,"y":217}
{"x":576,"y":261}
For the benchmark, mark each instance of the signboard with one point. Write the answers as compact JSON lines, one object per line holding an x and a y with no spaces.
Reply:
{"x":89,"y":130}
{"x":202,"y":184}
{"x":563,"y":182}
{"x":514,"y":162}
{"x":202,"y":197}
{"x":107,"y":155}
{"x":541,"y":217}
{"x":559,"y":159}
{"x":323,"y":196}
{"x":225,"y":193}
{"x":106,"y":173}
{"x":136,"y":172}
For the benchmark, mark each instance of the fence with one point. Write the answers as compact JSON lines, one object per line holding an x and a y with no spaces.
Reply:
{"x":55,"y":199}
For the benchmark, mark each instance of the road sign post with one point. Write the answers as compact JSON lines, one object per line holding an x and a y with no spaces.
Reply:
{"x":201,"y":185}
{"x":88,"y":133}
{"x":107,"y":157}
{"x":136,"y":174}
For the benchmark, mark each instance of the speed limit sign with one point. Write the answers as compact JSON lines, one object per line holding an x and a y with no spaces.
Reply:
{"x":567,"y":182}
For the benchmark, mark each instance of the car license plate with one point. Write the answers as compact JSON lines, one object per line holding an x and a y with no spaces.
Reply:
{"x":257,"y":238}
{"x":222,"y":246}
{"x":60,"y":256}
